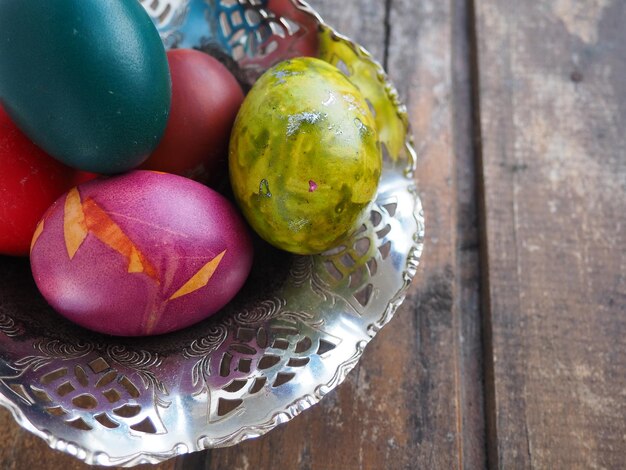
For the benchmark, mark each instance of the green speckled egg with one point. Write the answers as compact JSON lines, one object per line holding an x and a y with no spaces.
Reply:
{"x":304,"y":156}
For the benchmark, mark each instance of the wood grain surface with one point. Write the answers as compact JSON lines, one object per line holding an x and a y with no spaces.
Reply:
{"x":553,"y":112}
{"x":510,"y":350}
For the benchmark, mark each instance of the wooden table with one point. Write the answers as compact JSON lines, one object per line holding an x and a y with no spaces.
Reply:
{"x":510,"y":351}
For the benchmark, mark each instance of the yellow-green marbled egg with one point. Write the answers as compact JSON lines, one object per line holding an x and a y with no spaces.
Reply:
{"x":304,"y":156}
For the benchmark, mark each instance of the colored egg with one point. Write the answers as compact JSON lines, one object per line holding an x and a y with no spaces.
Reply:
{"x":30,"y":181}
{"x":143,"y":253}
{"x":205,"y":100}
{"x":86,"y":80}
{"x":304,"y":156}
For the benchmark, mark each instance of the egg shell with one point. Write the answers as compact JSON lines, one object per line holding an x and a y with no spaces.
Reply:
{"x":140,"y":254}
{"x":205,"y":100}
{"x":86,"y":80}
{"x":30,"y":181}
{"x":304,"y":160}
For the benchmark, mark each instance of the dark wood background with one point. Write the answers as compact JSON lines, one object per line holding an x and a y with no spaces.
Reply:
{"x":510,"y":351}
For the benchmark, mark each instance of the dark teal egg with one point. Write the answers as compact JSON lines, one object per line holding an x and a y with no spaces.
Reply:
{"x":86,"y":80}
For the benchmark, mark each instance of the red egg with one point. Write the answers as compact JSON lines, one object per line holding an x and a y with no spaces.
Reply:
{"x":81,"y":177}
{"x":140,"y":254}
{"x":30,"y":181}
{"x":205,"y":100}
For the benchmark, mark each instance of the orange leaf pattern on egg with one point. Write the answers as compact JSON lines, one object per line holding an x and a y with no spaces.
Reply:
{"x":74,"y":226}
{"x":37,"y":234}
{"x":108,"y":232}
{"x":81,"y":218}
{"x":201,"y":278}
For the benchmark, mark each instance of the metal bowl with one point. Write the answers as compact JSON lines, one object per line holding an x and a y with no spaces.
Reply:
{"x":291,"y":336}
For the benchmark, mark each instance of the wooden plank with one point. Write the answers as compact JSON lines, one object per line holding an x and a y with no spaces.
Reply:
{"x":447,"y":179}
{"x":467,"y":308}
{"x":429,"y":60}
{"x":553,"y":106}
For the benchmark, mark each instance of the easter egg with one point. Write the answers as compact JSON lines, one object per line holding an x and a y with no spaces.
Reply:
{"x":30,"y":181}
{"x":86,"y":80}
{"x":205,"y":100}
{"x":304,"y":156}
{"x":143,"y":253}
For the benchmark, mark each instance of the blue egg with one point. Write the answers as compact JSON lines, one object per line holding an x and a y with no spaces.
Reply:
{"x":86,"y":80}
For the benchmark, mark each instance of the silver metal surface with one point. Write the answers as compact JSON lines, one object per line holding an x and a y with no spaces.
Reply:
{"x":292,"y":335}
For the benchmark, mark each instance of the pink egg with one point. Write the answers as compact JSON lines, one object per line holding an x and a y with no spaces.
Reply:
{"x":140,"y":254}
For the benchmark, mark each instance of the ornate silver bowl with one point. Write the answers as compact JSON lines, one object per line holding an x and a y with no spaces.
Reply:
{"x":292,"y":335}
